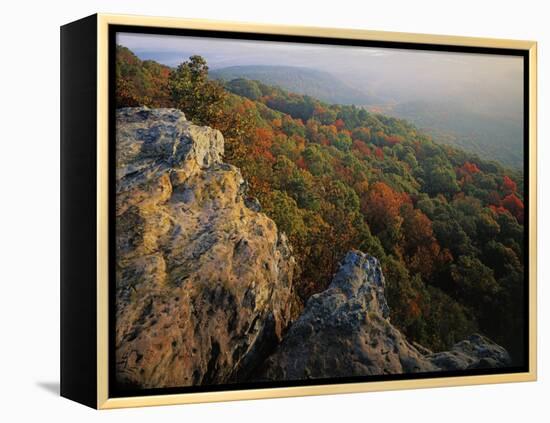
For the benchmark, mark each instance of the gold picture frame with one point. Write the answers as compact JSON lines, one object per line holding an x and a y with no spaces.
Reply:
{"x":98,"y":396}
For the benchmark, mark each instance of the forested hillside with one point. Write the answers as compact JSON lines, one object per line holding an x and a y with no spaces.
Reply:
{"x":446,"y":226}
{"x":485,"y":130}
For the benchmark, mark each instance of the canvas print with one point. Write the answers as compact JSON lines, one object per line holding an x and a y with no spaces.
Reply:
{"x":301,"y":213}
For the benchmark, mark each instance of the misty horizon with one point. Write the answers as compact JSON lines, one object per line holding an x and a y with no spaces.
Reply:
{"x":394,"y":74}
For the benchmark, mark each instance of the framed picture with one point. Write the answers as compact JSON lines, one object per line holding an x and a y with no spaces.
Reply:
{"x":254,"y":211}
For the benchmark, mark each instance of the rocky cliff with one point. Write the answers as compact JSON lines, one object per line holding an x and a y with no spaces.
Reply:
{"x":204,"y":284}
{"x":204,"y":290}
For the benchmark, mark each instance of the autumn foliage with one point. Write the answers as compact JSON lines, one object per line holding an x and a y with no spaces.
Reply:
{"x":508,"y":184}
{"x":382,"y":207}
{"x":447,"y":226}
{"x":514,"y":205}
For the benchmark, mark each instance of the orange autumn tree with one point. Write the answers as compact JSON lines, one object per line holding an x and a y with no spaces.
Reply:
{"x":261,"y":144}
{"x":466,"y":171}
{"x":420,"y":249}
{"x":381,"y":207}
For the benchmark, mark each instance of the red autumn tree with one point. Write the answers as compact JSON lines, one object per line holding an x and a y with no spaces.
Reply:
{"x":363,"y":149}
{"x":301,"y":163}
{"x":339,"y":124}
{"x":471,"y":168}
{"x":465,"y":172}
{"x":379,"y":153}
{"x":508,"y":185}
{"x":514,"y":205}
{"x":497,"y":209}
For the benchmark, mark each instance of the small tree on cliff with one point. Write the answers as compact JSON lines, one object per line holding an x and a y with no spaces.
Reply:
{"x":206,"y":102}
{"x":192,"y":92}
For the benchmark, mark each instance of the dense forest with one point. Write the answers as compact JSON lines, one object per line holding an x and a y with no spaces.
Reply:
{"x":446,"y":225}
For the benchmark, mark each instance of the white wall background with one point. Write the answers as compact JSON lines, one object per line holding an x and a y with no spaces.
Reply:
{"x":29,"y":192}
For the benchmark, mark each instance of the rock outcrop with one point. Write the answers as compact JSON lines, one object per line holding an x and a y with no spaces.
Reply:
{"x":204,"y":280}
{"x":204,"y":283}
{"x":345,"y":331}
{"x":476,"y":352}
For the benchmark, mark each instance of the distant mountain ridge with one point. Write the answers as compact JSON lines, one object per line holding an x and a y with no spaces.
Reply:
{"x":301,"y":80}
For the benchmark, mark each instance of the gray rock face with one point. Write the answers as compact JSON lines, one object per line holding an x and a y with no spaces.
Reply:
{"x":345,"y":331}
{"x":476,"y":352}
{"x":204,"y":282}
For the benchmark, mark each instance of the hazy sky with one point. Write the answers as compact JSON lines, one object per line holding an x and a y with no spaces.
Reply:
{"x":489,"y":82}
{"x":172,"y":50}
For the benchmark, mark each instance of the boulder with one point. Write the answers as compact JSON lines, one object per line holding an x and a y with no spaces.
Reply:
{"x":476,"y":352}
{"x":203,"y":280}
